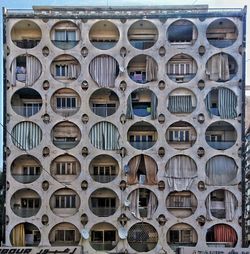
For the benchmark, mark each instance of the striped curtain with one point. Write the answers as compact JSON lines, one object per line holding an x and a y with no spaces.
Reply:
{"x":103,"y":70}
{"x":180,"y":104}
{"x":224,"y":233}
{"x":26,"y":135}
{"x":105,"y":136}
{"x":33,"y":68}
{"x":220,"y":170}
{"x":154,"y":102}
{"x":151,"y":69}
{"x":227,"y":103}
{"x":208,"y":104}
{"x":130,"y":112}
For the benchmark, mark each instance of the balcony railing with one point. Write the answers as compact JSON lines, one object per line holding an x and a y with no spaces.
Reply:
{"x":174,"y":246}
{"x":142,"y":145}
{"x":143,"y":212}
{"x":220,"y":244}
{"x":144,"y":246}
{"x":103,"y":246}
{"x":104,"y":44}
{"x":103,"y":111}
{"x":26,"y":44}
{"x":221,"y":145}
{"x":181,"y":77}
{"x":65,"y":44}
{"x":219,"y":213}
{"x":139,"y":78}
{"x":221,"y":43}
{"x":103,"y":211}
{"x":25,"y":178}
{"x":25,"y":212}
{"x":142,"y":44}
{"x":65,"y":144}
{"x":27,"y":110}
{"x":103,"y":178}
{"x":67,"y":111}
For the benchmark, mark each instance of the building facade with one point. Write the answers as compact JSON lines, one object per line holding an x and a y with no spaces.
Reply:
{"x":124,"y":128}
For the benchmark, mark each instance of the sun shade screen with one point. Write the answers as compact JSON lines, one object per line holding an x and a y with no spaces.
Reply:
{"x":103,"y":70}
{"x":217,"y":67}
{"x":180,"y":172}
{"x":105,"y":136}
{"x":220,"y":170}
{"x":180,"y":104}
{"x":26,"y":135}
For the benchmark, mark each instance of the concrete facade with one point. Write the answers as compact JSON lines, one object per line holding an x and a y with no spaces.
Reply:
{"x":56,"y":216}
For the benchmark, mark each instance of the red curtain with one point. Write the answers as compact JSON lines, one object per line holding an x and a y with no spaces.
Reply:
{"x":224,"y":233}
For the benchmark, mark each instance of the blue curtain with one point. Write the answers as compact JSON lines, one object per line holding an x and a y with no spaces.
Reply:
{"x":180,"y":104}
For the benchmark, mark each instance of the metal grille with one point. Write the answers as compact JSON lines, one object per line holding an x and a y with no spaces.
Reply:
{"x":142,"y":237}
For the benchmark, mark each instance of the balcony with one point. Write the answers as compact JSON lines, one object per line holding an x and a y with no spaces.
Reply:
{"x":103,"y":211}
{"x":64,"y":45}
{"x":104,"y":45}
{"x":142,"y":44}
{"x":28,"y":110}
{"x":222,"y":145}
{"x":103,"y":178}
{"x":26,"y":34}
{"x":103,"y":111}
{"x":103,"y":246}
{"x":65,"y":144}
{"x":142,"y":145}
{"x":24,"y":212}
{"x":25,"y":178}
{"x":220,"y":244}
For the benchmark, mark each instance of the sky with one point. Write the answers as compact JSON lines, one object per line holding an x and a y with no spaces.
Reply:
{"x":27,"y":4}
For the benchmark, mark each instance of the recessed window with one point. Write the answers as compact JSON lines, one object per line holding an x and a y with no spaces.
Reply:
{"x":65,"y":201}
{"x":65,"y":236}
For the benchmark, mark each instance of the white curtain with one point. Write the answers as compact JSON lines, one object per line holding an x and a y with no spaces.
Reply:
{"x":152,"y":205}
{"x":220,"y":170}
{"x":154,"y":103}
{"x":26,"y":135}
{"x":33,"y":69}
{"x":103,"y":70}
{"x":60,"y":35}
{"x":72,"y":71}
{"x":13,"y":72}
{"x":208,"y":208}
{"x":134,"y":203}
{"x":151,"y":69}
{"x":180,"y":172}
{"x":218,"y":67}
{"x":105,"y":136}
{"x":130,"y":112}
{"x":230,"y":205}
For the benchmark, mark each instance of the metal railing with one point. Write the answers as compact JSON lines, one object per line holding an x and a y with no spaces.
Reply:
{"x":65,"y":144}
{"x":65,"y":44}
{"x":103,"y":111}
{"x":26,"y":44}
{"x":27,"y":111}
{"x":25,"y":178}
{"x":103,"y":178}
{"x":142,"y":145}
{"x":104,"y":44}
{"x":25,"y":212}
{"x":221,"y":145}
{"x":142,"y":44}
{"x":103,"y":211}
{"x":103,"y":246}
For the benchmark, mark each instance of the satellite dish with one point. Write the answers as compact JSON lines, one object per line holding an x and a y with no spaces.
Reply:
{"x":127,"y":203}
{"x":85,"y":234}
{"x":123,"y":233}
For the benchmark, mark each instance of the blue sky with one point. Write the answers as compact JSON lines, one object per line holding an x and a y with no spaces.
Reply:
{"x":27,"y":4}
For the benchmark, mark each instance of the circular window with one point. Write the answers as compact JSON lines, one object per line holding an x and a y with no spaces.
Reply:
{"x":142,"y":135}
{"x":26,"y":169}
{"x":103,"y":202}
{"x":221,"y":235}
{"x":221,"y":135}
{"x":26,"y":102}
{"x":104,"y":35}
{"x":181,"y":101}
{"x":104,"y":69}
{"x":26,"y":34}
{"x":65,"y":168}
{"x":25,"y":203}
{"x":222,"y":33}
{"x":142,"y":237}
{"x":181,"y":135}
{"x":66,"y":135}
{"x":104,"y":102}
{"x":65,"y":35}
{"x":65,"y":68}
{"x":65,"y":102}
{"x":26,"y":135}
{"x":64,"y":234}
{"x":25,"y":240}
{"x":181,"y":204}
{"x":181,"y":68}
{"x":187,"y":236}
{"x":142,"y":34}
{"x":104,"y":236}
{"x":182,"y":32}
{"x":221,"y":67}
{"x":103,"y":168}
{"x":142,"y":69}
{"x":64,"y":202}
